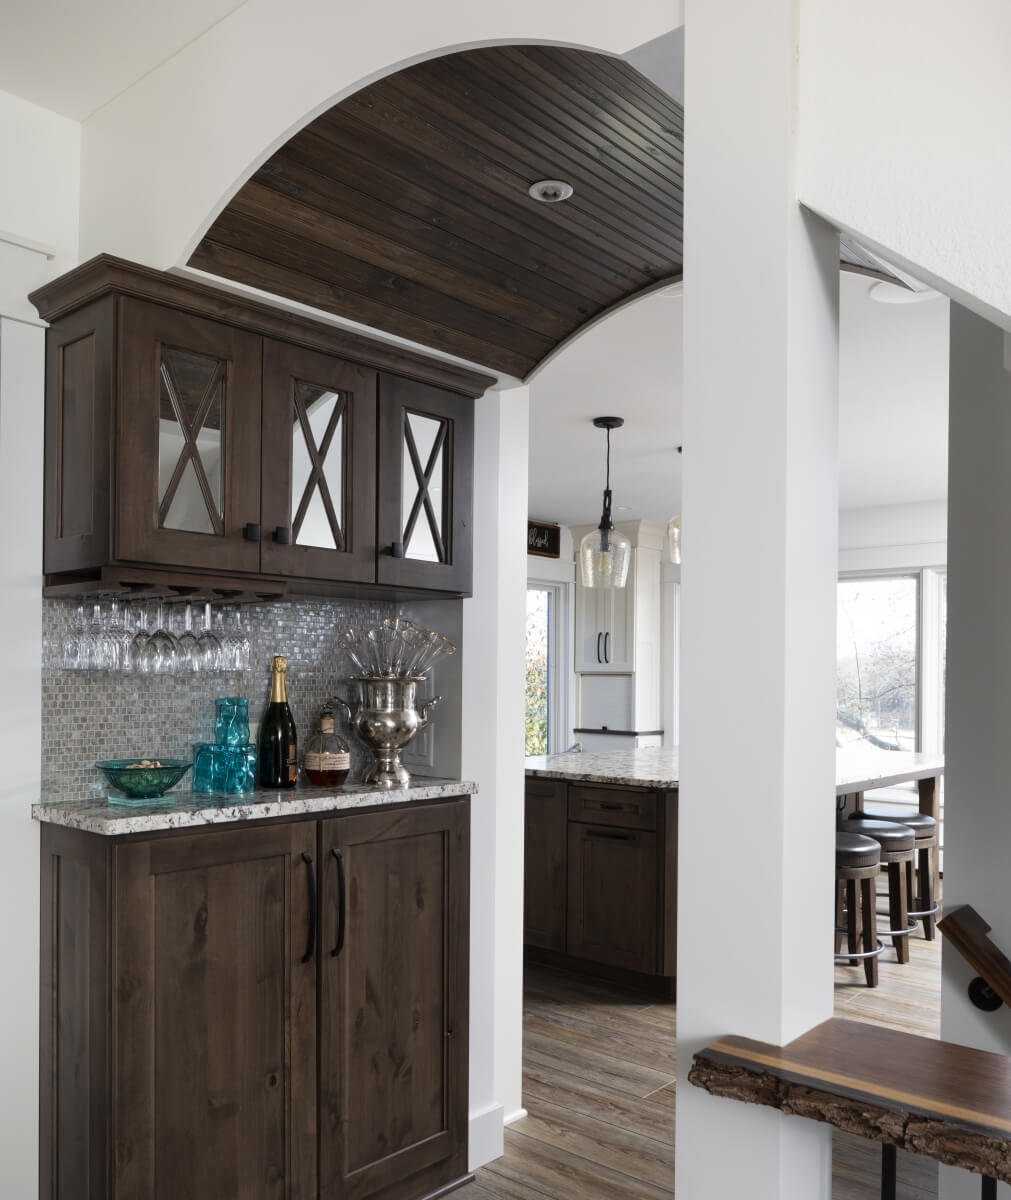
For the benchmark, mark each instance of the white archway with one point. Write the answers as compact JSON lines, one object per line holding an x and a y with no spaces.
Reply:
{"x":160,"y":161}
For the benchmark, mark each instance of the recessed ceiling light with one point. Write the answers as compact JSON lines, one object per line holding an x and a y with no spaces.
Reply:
{"x":550,"y":191}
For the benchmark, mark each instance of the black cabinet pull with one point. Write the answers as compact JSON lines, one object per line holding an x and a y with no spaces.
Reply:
{"x":397,"y":550}
{"x":342,"y":902}
{"x":599,"y":636}
{"x":614,"y":837}
{"x":252,"y":532}
{"x":310,"y":875}
{"x":607,"y":647}
{"x":282,"y":535}
{"x":612,"y":807}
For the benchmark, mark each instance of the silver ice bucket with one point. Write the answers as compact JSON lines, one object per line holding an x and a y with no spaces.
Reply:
{"x":386,"y":719}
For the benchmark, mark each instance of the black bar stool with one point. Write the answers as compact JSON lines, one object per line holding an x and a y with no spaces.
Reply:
{"x":858,"y":861}
{"x":923,"y":905}
{"x":897,"y":844}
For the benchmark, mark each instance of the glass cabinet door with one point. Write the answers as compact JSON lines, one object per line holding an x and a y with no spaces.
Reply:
{"x":426,"y":451}
{"x":188,"y":440}
{"x":319,"y":430}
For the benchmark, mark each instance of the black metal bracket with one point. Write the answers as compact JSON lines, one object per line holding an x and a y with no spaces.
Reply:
{"x":983,"y":995}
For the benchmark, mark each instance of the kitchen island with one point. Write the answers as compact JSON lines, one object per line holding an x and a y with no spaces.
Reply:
{"x":600,"y":881}
{"x":244,"y":995}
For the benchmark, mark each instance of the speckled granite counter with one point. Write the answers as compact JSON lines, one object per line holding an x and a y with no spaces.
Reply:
{"x":195,"y":809}
{"x":651,"y":767}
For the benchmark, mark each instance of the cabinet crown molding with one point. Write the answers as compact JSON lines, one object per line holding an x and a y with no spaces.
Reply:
{"x":106,"y":273}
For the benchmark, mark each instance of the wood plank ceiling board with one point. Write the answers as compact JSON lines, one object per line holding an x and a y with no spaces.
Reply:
{"x":405,"y":207}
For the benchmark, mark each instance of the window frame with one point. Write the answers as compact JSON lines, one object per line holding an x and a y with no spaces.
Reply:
{"x":559,"y":656}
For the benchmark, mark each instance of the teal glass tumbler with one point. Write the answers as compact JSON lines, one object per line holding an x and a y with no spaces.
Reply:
{"x":230,"y":770}
{"x":231,"y":722}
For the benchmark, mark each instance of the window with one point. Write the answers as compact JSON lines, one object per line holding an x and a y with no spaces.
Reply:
{"x":538,"y":678}
{"x":877,"y":651}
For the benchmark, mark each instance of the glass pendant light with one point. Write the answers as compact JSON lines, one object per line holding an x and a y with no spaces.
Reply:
{"x":604,"y":553}
{"x":674,"y":539}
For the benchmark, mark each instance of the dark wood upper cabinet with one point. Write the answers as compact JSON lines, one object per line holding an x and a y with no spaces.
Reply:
{"x":192,"y":431}
{"x":394,"y":1002}
{"x":319,"y":489}
{"x":426,"y":473}
{"x":187,"y":440}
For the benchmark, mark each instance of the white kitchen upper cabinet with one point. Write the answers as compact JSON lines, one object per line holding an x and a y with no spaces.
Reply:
{"x":605,"y":627}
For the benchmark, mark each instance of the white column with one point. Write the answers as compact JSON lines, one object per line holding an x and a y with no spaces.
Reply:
{"x":760,"y":512}
{"x":21,"y":374}
{"x":492,"y":753}
{"x":977,"y":813}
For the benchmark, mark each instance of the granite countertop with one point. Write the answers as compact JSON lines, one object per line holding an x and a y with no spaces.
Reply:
{"x":195,"y":809}
{"x":651,"y":767}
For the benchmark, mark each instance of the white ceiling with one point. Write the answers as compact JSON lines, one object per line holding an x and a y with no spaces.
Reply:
{"x":73,"y":56}
{"x":893,"y":409}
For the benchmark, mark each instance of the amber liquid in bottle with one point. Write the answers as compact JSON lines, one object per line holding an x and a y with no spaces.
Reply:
{"x":278,"y":739}
{"x":327,"y":760}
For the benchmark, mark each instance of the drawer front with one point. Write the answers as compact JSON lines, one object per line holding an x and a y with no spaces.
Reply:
{"x":626,"y":807}
{"x":544,"y":787}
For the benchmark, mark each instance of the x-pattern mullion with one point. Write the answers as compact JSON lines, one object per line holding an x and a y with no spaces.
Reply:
{"x":424,"y":479}
{"x":317,"y":457}
{"x":190,"y":451}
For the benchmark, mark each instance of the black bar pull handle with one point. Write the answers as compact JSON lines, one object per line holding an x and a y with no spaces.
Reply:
{"x":604,"y":807}
{"x":606,"y":833}
{"x":342,"y":902}
{"x":599,"y":636}
{"x":252,"y":531}
{"x":282,"y":535}
{"x":310,"y":875}
{"x":607,"y":647}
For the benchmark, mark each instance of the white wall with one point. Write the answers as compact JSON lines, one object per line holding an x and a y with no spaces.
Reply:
{"x":492,"y":754}
{"x":40,"y":154}
{"x":161,"y":158}
{"x":894,"y":537}
{"x":905,"y":116}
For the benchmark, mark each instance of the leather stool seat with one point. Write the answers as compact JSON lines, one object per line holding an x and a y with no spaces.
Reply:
{"x":921,"y":824}
{"x":923,"y":905}
{"x":856,"y":850}
{"x":891,"y":837}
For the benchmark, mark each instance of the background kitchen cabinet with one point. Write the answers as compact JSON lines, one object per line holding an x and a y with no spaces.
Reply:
{"x":197,"y":1013}
{"x":544,"y":864}
{"x":618,"y":655}
{"x":600,"y":880}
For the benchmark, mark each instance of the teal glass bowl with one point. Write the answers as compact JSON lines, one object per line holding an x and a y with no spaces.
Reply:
{"x":144,"y":783}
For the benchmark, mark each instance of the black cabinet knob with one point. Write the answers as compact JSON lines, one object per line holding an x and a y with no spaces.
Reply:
{"x":397,"y":550}
{"x":282,"y":535}
{"x":252,"y":532}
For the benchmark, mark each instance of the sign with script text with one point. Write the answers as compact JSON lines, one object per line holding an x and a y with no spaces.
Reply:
{"x":543,"y":540}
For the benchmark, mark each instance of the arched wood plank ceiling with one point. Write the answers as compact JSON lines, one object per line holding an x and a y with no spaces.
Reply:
{"x":405,"y":207}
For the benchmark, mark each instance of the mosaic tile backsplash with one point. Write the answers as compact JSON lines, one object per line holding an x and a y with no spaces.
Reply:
{"x":87,"y":716}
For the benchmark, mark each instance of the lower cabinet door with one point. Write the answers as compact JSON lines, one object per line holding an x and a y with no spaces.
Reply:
{"x":214,"y":1020}
{"x":613,"y":902}
{"x":545,"y":849}
{"x":394,"y":1002}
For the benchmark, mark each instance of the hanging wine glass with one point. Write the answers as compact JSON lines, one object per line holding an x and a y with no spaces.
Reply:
{"x":117,"y":638}
{"x":159,"y":656}
{"x":210,"y":647}
{"x":139,"y":640}
{"x":190,"y":654}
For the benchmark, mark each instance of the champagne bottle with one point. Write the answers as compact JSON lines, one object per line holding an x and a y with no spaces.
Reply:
{"x":278,"y":739}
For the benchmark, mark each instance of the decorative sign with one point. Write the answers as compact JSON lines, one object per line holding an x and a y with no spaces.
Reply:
{"x":543,"y":540}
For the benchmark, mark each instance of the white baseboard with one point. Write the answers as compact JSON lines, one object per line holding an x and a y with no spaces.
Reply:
{"x":513,"y":1117}
{"x":486,"y":1136}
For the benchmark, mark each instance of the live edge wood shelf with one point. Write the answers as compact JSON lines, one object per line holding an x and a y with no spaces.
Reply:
{"x":262,"y":1009}
{"x":948,"y":1102}
{"x":192,"y":431}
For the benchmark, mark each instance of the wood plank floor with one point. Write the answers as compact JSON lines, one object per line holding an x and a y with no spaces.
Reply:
{"x":598,"y":1081}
